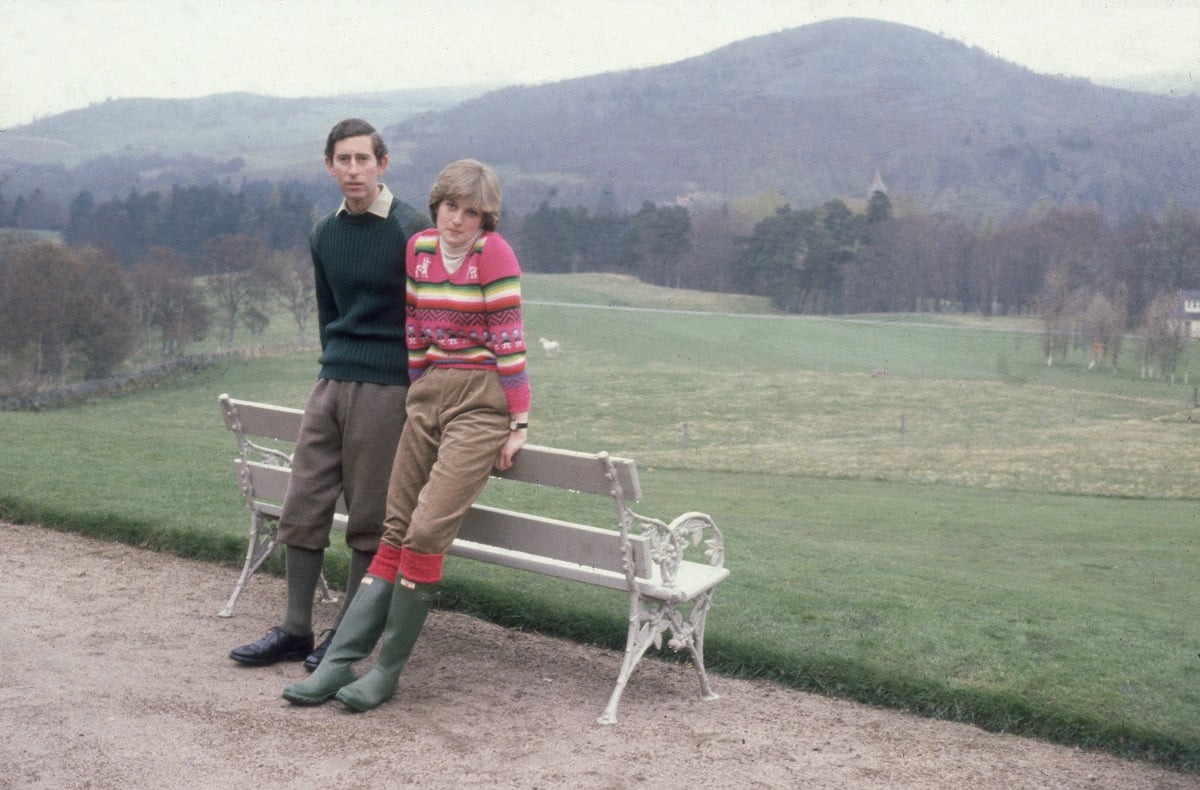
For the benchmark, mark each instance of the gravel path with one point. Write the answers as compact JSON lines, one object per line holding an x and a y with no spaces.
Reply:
{"x":114,"y":673}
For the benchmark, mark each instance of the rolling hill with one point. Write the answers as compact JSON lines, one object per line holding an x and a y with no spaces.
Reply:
{"x":810,"y":113}
{"x":813,"y":112}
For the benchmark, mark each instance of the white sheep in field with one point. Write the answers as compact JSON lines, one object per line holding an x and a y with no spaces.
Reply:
{"x":551,"y":347}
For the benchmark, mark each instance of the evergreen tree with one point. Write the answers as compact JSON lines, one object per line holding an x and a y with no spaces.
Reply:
{"x":661,"y":238}
{"x":879,"y":208}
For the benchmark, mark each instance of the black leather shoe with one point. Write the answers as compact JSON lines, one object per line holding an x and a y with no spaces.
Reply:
{"x":277,"y":645}
{"x":314,"y":658}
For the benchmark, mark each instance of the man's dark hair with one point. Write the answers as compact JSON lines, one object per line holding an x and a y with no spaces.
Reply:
{"x":355,"y":127}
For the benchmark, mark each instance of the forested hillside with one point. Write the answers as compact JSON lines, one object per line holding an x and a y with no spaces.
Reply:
{"x":809,"y":113}
{"x":813,"y":112}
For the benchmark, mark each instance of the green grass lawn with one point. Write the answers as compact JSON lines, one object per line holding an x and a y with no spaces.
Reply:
{"x":972,"y":535}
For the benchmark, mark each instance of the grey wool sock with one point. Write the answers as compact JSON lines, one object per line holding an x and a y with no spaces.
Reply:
{"x":303,"y":572}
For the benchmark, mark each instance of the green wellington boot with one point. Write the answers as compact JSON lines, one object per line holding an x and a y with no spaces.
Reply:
{"x":406,"y":617}
{"x":355,"y":639}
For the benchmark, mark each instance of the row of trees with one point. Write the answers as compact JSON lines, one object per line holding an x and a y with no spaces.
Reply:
{"x":829,"y":259}
{"x":1090,"y":280}
{"x":74,"y":312}
{"x":832,"y":259}
{"x":793,"y":256}
{"x":178,"y":266}
{"x":38,"y":211}
{"x":187,"y":217}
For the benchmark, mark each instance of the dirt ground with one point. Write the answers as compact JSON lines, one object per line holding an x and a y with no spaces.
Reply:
{"x":114,"y":673}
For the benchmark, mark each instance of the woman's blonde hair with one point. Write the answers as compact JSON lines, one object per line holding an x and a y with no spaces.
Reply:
{"x":472,"y":182}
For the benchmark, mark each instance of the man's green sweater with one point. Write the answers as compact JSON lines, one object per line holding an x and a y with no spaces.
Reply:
{"x":358,"y":263}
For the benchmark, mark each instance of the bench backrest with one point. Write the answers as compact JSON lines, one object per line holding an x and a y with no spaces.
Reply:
{"x":563,"y":541}
{"x":252,"y":421}
{"x":573,"y":471}
{"x":263,"y":473}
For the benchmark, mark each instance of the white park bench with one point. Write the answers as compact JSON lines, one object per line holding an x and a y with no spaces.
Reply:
{"x":669,"y":590}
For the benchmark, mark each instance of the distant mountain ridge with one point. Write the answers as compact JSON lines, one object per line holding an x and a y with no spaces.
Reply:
{"x":220,"y":126}
{"x":810,"y":113}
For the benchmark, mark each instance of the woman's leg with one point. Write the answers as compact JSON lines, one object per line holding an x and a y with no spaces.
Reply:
{"x":474,"y":427}
{"x":356,"y":636}
{"x":405,"y":618}
{"x":353,"y":641}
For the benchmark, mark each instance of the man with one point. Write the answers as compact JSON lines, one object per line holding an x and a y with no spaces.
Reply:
{"x":355,"y":411}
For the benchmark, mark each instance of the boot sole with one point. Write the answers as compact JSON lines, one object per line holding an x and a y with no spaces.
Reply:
{"x":355,"y":705}
{"x":297,"y":699}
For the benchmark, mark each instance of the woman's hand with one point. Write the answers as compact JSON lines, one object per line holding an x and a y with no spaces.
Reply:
{"x":514,"y":442}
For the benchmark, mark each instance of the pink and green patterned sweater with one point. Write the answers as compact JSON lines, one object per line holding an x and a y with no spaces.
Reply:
{"x":470,"y":319}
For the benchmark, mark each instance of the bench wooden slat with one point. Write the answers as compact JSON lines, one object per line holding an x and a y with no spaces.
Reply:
{"x":530,"y":562}
{"x":270,"y":482}
{"x":583,"y":545}
{"x":265,"y":420}
{"x":270,"y":485}
{"x":548,"y":466}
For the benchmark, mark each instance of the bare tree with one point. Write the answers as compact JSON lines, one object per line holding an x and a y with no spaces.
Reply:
{"x":168,"y":299}
{"x":1051,"y":303}
{"x":1162,"y":336}
{"x":1103,"y":326}
{"x":714,"y":252}
{"x":58,"y":305}
{"x":295,"y":287}
{"x":240,"y":281}
{"x":102,"y":328}
{"x":34,"y":319}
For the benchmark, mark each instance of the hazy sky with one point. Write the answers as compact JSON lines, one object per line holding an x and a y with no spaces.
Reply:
{"x":57,"y":55}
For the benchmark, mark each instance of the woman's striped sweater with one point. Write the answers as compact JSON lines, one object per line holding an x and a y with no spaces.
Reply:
{"x":470,"y":319}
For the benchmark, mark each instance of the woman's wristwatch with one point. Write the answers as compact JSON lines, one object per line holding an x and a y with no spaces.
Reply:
{"x":513,"y":425}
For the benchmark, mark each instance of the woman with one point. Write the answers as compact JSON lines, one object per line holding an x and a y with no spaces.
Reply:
{"x":467,"y":407}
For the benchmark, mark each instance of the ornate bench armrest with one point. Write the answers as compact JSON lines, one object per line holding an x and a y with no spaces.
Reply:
{"x":671,"y":543}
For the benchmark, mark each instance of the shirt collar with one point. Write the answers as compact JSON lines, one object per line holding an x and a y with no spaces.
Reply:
{"x":379,"y":207}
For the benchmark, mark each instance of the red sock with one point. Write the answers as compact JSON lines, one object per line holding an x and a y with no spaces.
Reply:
{"x":386,"y":564}
{"x":421,"y":568}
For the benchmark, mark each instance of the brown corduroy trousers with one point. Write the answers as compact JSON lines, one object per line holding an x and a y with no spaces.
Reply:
{"x":457,"y":423}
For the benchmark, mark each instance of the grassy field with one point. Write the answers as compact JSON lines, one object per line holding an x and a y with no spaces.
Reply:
{"x":918,"y":513}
